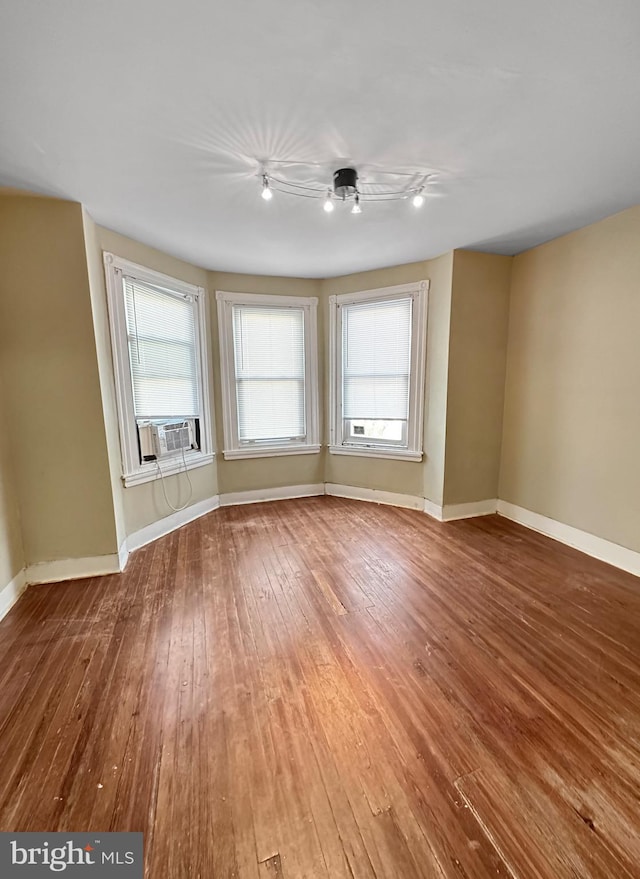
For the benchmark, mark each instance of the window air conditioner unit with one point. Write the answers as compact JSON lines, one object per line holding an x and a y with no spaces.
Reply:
{"x":171,"y":437}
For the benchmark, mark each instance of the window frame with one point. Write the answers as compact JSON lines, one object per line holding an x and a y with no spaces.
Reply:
{"x":419,"y":293}
{"x":233,"y":449}
{"x":134,"y":471}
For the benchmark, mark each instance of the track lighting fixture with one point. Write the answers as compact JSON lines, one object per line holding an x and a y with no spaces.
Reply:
{"x":346,"y":186}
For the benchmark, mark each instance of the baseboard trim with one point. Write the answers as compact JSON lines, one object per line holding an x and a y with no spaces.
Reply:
{"x":171,"y":523}
{"x":597,"y":547}
{"x":375,"y":496}
{"x":452,"y":512}
{"x":123,"y":555}
{"x":432,"y":509}
{"x":12,"y":592}
{"x":73,"y":569}
{"x":262,"y":495}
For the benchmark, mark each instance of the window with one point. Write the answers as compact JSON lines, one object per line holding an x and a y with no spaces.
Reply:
{"x":378,"y":362}
{"x":268,"y":356}
{"x":158,"y":334}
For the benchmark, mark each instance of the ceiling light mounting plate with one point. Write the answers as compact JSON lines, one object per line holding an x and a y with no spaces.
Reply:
{"x":345,"y":182}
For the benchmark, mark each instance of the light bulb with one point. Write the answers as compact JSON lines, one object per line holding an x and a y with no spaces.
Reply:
{"x":356,"y":209}
{"x":328,"y":204}
{"x":266,"y":189}
{"x":418,"y":199}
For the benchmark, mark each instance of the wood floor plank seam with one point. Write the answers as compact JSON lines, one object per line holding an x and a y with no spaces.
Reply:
{"x":485,"y":830}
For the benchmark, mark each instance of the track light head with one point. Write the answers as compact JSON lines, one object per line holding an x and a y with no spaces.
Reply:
{"x":266,"y":189}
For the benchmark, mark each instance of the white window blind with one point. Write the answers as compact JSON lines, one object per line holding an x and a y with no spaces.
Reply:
{"x":376,"y":355}
{"x":270,"y":372}
{"x":161,"y":331}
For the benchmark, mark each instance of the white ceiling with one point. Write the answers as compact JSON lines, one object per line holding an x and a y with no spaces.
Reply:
{"x":157,"y":114}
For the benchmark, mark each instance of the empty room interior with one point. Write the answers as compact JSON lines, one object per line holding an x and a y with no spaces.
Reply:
{"x":319,"y":439}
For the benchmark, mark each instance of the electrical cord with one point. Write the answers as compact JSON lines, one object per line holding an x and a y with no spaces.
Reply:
{"x":164,"y":491}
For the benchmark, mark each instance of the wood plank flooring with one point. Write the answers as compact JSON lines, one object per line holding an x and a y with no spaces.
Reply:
{"x":328,"y":688}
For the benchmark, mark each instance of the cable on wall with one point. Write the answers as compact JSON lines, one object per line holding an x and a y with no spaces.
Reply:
{"x":164,"y":491}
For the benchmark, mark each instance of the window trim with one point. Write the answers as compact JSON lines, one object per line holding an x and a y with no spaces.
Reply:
{"x":134,"y":472}
{"x":419,"y":291}
{"x":232,"y":447}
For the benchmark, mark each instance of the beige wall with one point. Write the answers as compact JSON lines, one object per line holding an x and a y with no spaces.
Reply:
{"x":477,"y":362}
{"x":11,"y":549}
{"x":147,"y":256}
{"x":145,"y":504}
{"x":52,"y":391}
{"x":404,"y":477}
{"x":256,"y":473}
{"x":572,"y":418}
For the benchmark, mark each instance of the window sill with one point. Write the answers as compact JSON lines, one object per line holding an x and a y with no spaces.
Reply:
{"x":367,"y":452}
{"x":149,"y":472}
{"x":270,"y":451}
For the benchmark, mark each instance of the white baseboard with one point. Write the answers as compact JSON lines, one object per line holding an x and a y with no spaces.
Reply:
{"x":123,"y":555}
{"x":469,"y":511}
{"x":170,"y":523}
{"x":12,"y":592}
{"x":451,"y":512}
{"x":70,"y":569}
{"x":598,"y":547}
{"x":73,"y":569}
{"x":432,"y":509}
{"x":373,"y":495}
{"x":260,"y":495}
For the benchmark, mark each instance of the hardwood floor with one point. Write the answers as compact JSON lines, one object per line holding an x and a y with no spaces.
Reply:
{"x":328,"y":688}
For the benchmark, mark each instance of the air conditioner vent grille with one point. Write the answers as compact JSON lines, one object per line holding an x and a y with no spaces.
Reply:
{"x":177,"y":438}
{"x":172,"y":437}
